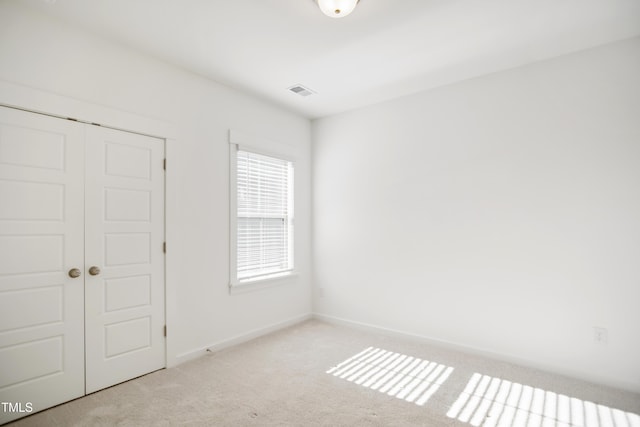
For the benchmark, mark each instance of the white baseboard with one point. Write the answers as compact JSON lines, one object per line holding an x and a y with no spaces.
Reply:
{"x":238,"y":339}
{"x":584,"y":376}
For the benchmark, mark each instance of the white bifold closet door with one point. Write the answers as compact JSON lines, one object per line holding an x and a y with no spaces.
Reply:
{"x":41,"y":239}
{"x":124,"y":234}
{"x":85,"y":201}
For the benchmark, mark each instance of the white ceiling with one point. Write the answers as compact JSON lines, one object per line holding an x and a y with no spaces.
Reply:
{"x":384,"y":49}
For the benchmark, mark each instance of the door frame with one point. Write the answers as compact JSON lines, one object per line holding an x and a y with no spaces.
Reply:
{"x":41,"y":102}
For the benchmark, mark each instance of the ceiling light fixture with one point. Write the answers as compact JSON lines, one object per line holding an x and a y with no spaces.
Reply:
{"x":337,"y":8}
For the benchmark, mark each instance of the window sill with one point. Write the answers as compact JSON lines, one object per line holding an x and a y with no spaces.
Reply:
{"x":251,"y":285}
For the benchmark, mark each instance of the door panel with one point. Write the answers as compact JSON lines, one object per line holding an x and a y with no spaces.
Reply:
{"x":125,"y":214}
{"x":41,"y":239}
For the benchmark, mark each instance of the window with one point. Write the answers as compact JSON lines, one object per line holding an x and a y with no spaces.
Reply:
{"x":263,"y":216}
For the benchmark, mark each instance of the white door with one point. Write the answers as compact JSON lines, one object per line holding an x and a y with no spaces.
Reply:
{"x":41,"y":240}
{"x":125,"y":232}
{"x":76,"y":196}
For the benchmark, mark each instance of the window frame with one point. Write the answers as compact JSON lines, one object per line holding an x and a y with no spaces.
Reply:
{"x":240,"y":142}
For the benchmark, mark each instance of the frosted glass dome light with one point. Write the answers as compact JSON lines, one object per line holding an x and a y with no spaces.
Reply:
{"x":337,"y":8}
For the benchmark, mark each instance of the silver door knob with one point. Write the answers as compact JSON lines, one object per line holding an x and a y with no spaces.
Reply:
{"x":94,"y":271}
{"x":74,"y":272}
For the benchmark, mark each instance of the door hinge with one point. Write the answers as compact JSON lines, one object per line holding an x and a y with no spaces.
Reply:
{"x":164,"y":164}
{"x":164,"y":247}
{"x":165,"y":330}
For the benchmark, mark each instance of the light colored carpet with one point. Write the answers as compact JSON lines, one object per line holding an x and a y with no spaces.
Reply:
{"x":373,"y":380}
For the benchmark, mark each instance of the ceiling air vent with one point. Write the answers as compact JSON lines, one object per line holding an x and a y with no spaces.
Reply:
{"x":301,"y":90}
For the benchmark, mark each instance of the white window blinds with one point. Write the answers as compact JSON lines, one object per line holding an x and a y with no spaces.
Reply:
{"x":264,"y":215}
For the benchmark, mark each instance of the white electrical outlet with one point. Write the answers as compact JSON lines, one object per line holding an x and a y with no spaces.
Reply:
{"x":600,"y":335}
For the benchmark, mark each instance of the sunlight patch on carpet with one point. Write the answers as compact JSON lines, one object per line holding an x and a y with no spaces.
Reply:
{"x":405,"y":377}
{"x":488,"y":401}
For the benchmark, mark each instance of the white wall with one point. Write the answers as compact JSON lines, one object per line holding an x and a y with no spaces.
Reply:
{"x":500,"y":213}
{"x":46,"y":54}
